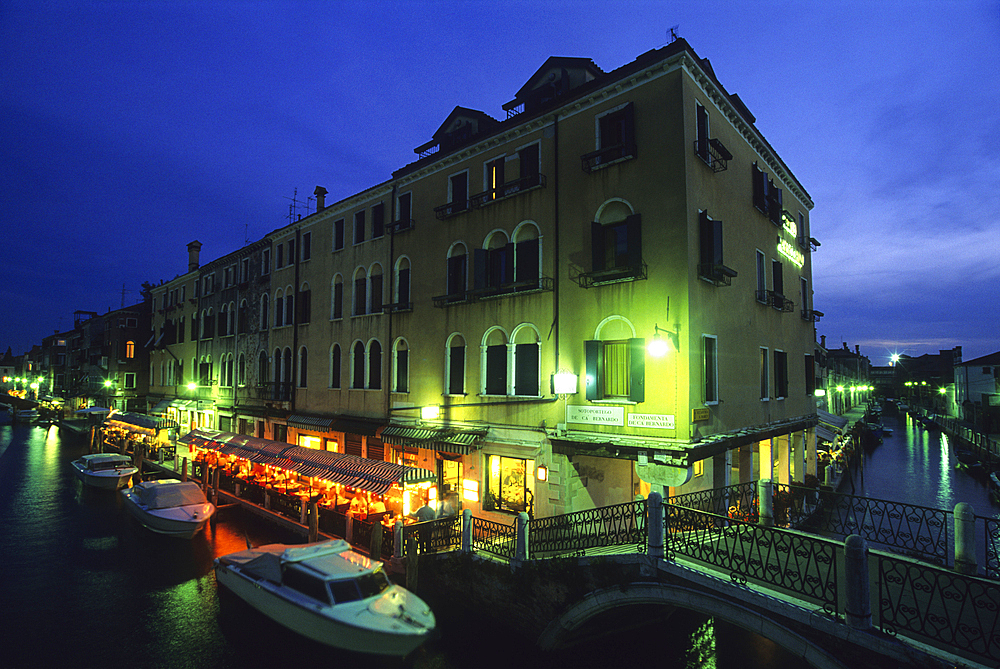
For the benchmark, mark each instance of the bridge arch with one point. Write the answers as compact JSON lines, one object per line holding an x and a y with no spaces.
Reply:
{"x":563,"y":629}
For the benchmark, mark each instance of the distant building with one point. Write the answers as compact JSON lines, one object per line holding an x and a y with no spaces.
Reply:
{"x":977,"y":391}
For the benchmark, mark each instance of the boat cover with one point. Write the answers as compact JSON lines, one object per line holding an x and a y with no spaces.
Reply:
{"x":107,"y":460}
{"x":168,"y":495}
{"x":261,"y":562}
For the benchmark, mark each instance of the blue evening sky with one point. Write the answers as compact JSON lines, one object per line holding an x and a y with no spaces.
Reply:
{"x":130,"y":128}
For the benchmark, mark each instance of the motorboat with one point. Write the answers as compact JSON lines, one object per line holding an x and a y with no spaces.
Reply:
{"x":108,"y":471}
{"x":329,"y":593}
{"x":27,"y":416}
{"x":6,"y":414}
{"x":175,"y":508}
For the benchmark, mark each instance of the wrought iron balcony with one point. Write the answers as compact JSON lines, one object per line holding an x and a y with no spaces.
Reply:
{"x":401,"y":225}
{"x":775,"y":300}
{"x":508,"y":189}
{"x":714,"y":153}
{"x":451,"y":299}
{"x":397,"y":307}
{"x":451,"y":209}
{"x":612,"y":275}
{"x":720,"y":275}
{"x":606,"y":156}
{"x":280,"y":391}
{"x":811,"y":315}
{"x":540,"y":284}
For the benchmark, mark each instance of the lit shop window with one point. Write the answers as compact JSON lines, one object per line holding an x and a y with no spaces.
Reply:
{"x":506,"y":488}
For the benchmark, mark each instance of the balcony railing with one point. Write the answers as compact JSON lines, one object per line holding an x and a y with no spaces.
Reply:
{"x":811,"y":315}
{"x":451,"y":209}
{"x":775,"y":300}
{"x":720,"y":275}
{"x":508,"y":189}
{"x":280,"y":391}
{"x":402,"y":225}
{"x":606,"y":156}
{"x":397,"y":307}
{"x":612,"y":275}
{"x":714,"y":153}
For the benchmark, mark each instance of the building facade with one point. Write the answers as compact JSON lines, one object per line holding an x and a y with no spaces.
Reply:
{"x":607,"y":292}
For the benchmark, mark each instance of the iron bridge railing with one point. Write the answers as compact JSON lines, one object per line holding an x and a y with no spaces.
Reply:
{"x":618,"y":525}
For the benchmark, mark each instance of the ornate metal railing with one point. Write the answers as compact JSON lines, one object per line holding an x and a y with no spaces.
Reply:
{"x":434,"y":536}
{"x":735,"y":501}
{"x":492,"y":537}
{"x":618,"y":525}
{"x":991,"y":535}
{"x":789,"y":561}
{"x":943,"y":608}
{"x":917,"y":531}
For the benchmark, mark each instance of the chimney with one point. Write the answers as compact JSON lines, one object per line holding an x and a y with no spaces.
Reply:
{"x":320,"y":194}
{"x":194,"y":249}
{"x":857,"y":349}
{"x":822,"y":341}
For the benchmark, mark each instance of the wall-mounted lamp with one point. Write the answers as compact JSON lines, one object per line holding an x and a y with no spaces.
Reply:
{"x":659,"y":347}
{"x":564,"y":383}
{"x":192,"y":386}
{"x":543,"y":473}
{"x":430,"y":412}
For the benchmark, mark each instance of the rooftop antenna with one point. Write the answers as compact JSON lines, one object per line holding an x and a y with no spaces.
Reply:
{"x":123,"y":295}
{"x":673,"y":33}
{"x":294,"y":205}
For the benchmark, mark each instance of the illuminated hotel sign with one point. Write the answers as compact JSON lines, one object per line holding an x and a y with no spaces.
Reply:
{"x":786,"y":249}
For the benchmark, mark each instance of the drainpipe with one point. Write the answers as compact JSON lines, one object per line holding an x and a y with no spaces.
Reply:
{"x":392,"y":285}
{"x":555,"y":236}
{"x":295,"y":323}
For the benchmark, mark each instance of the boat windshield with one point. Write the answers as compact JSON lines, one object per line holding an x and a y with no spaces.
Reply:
{"x":373,"y":583}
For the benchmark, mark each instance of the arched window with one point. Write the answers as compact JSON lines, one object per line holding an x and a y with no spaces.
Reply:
{"x":458,"y":267}
{"x":527,"y":256}
{"x":358,"y":366}
{"x":455,"y":363}
{"x":616,"y":362}
{"x":279,"y":307}
{"x":277,"y":366}
{"x":401,"y":295}
{"x":289,"y":306}
{"x":231,"y":319}
{"x":400,"y":367}
{"x":494,"y":362}
{"x":360,"y":292}
{"x":303,"y":367}
{"x":241,"y":320}
{"x":335,"y":366}
{"x":305,"y":304}
{"x":262,"y":368}
{"x":375,"y":365}
{"x":375,"y":289}
{"x":241,"y":371}
{"x":526,"y":361}
{"x":494,"y":264}
{"x":616,"y":241}
{"x":130,"y":349}
{"x":337,"y":298}
{"x":286,"y":367}
{"x":264,"y":322}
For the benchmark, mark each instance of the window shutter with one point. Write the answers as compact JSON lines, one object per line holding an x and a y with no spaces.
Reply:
{"x":508,"y":264}
{"x":526,"y":255}
{"x":759,"y":189}
{"x":628,"y":127}
{"x":401,"y":370}
{"x":702,"y":124}
{"x":456,"y":370}
{"x":594,"y":353}
{"x":404,"y":286}
{"x":338,"y":300}
{"x":360,"y":296}
{"x":376,"y":294}
{"x":633,"y":232}
{"x":480,"y":265}
{"x":637,"y":369}
{"x":496,"y":369}
{"x":778,"y":281}
{"x":526,"y":369}
{"x":596,"y":246}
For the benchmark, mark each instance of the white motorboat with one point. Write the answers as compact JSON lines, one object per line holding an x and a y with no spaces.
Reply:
{"x":108,"y":471}
{"x":169,"y":507}
{"x":329,"y":593}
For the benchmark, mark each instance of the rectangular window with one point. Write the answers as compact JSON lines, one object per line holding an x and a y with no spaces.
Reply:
{"x":528,"y":157}
{"x":378,"y":220}
{"x":279,"y":259}
{"x":360,"y":296}
{"x":616,"y":369}
{"x":376,"y":297}
{"x":458,"y":192}
{"x":616,"y":131}
{"x":456,"y":370}
{"x":710,"y":363}
{"x":403,"y":218}
{"x":526,"y":369}
{"x":778,"y":284}
{"x":496,"y":369}
{"x":456,"y":276}
{"x":305,"y":306}
{"x":701,"y":116}
{"x":495,"y":178}
{"x":244,"y":270}
{"x":306,"y":249}
{"x":761,"y":277}
{"x":265,"y":262}
{"x":810,"y":375}
{"x":129,"y":380}
{"x":804,"y":294}
{"x":765,"y":371}
{"x":780,"y":375}
{"x":359,"y":227}
{"x":506,"y":485}
{"x":617,"y":246}
{"x":338,"y":234}
{"x":711,"y":264}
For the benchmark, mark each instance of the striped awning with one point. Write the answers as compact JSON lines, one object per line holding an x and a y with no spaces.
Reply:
{"x":447,"y":441}
{"x":141,"y":423}
{"x":375,"y":476}
{"x":310,"y":422}
{"x":825,"y":433}
{"x":160,"y":408}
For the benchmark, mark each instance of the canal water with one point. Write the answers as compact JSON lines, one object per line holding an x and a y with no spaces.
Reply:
{"x":83,"y":585}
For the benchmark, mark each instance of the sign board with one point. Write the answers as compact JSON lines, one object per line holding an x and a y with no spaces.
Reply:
{"x":595,"y":415}
{"x":654,"y":420}
{"x":699,"y":415}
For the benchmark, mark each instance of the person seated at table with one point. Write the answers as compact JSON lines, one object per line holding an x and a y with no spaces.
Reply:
{"x":377,"y":506}
{"x":359,"y":506}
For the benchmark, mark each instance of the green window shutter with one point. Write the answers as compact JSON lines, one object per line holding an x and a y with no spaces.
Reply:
{"x":633,"y":232}
{"x":637,"y":369}
{"x":594,"y":353}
